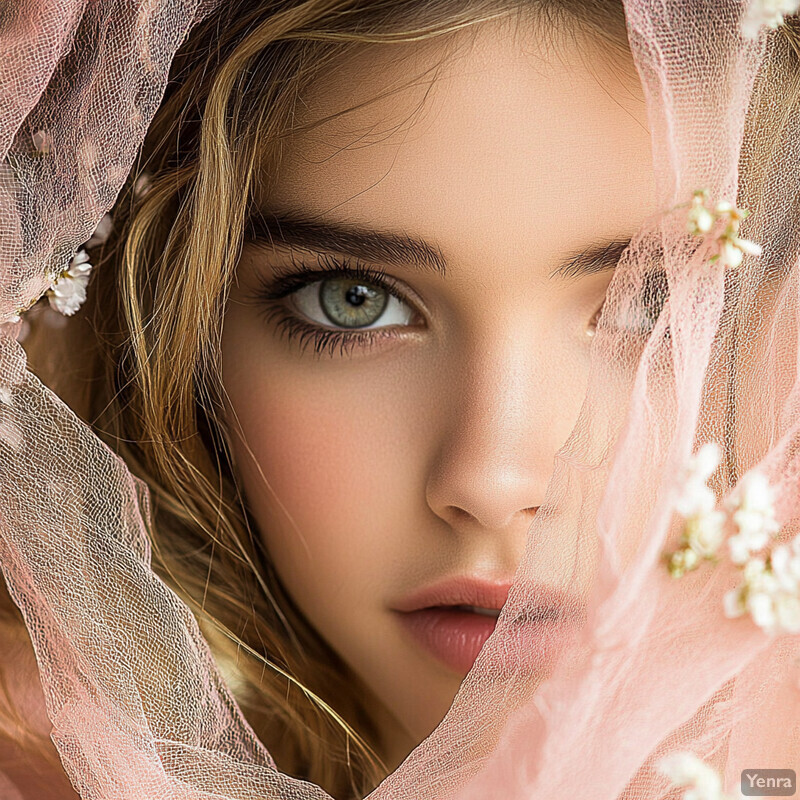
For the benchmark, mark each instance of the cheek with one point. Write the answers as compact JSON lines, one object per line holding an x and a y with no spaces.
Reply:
{"x":327,"y":468}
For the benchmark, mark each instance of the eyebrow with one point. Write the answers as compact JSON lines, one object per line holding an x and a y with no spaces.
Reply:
{"x":401,"y":249}
{"x":599,"y":256}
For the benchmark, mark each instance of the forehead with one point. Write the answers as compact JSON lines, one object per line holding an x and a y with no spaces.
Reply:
{"x":495,"y":142}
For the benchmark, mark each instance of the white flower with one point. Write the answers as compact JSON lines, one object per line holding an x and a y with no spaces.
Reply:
{"x":730,"y":255}
{"x":753,"y":504}
{"x":682,"y":561}
{"x":754,"y":492}
{"x":699,"y":219}
{"x":747,"y":247}
{"x":731,"y":249}
{"x":742,"y":545}
{"x":734,"y":602}
{"x":787,"y":613}
{"x":703,"y":530}
{"x":705,"y":461}
{"x":696,"y":497}
{"x":785,"y":563}
{"x":769,"y":13}
{"x":770,"y":592}
{"x":686,"y":770}
{"x":724,"y":207}
{"x":68,"y":292}
{"x":775,"y":612}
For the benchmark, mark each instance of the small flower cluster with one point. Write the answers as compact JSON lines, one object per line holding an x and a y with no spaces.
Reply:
{"x":770,"y":591}
{"x":731,"y":247}
{"x":68,"y":291}
{"x":703,"y":531}
{"x":686,"y":771}
{"x":769,"y":13}
{"x":752,"y":506}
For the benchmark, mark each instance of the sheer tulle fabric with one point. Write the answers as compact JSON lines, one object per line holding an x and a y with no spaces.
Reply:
{"x":651,"y":665}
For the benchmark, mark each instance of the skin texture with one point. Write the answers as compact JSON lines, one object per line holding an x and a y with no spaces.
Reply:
{"x":377,"y":471}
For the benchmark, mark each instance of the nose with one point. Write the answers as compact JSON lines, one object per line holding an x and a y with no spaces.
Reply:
{"x":505,"y":420}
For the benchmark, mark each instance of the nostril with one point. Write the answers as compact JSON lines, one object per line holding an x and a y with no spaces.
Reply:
{"x":461,"y":514}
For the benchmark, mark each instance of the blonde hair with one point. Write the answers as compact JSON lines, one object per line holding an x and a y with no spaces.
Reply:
{"x":149,"y":381}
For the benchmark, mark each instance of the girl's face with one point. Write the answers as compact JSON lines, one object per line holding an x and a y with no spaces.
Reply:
{"x":395,"y":420}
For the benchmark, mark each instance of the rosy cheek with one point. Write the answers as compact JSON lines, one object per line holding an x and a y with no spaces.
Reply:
{"x":334,"y":466}
{"x":305,"y":472}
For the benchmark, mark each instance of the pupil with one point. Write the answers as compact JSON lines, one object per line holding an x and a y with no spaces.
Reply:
{"x":356,"y":295}
{"x":351,"y":304}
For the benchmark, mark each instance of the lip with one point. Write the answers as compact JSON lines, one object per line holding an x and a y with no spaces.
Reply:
{"x":460,"y":590}
{"x":536,"y":634}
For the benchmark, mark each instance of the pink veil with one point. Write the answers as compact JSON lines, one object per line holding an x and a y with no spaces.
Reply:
{"x":662,"y":664}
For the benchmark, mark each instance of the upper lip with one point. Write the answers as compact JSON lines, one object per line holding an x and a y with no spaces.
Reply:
{"x":460,"y":590}
{"x":550,"y":602}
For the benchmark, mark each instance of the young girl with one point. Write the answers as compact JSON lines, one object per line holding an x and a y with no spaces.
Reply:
{"x":340,"y":323}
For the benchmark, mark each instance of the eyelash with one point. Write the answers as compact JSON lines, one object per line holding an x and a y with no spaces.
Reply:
{"x":651,"y":300}
{"x":328,"y":341}
{"x":331,"y":340}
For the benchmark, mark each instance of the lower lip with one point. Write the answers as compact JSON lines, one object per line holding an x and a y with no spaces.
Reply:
{"x":456,"y":637}
{"x":453,"y":636}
